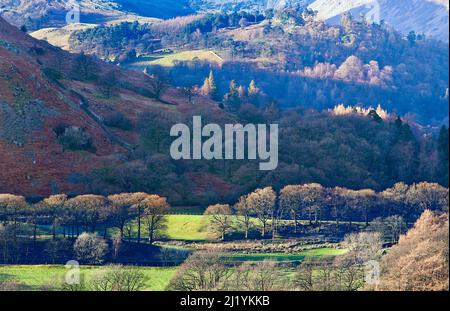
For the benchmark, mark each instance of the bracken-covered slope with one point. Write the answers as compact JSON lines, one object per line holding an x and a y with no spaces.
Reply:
{"x":33,"y":107}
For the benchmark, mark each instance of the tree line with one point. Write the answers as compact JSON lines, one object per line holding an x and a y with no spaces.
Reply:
{"x":316,"y":203}
{"x":70,"y":217}
{"x":418,"y":262}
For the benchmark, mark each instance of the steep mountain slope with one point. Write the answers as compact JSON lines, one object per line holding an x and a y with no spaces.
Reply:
{"x":37,"y":14}
{"x":430,"y":17}
{"x":42,"y":105}
{"x":423,"y":16}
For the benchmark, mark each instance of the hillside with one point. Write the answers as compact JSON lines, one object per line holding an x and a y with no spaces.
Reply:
{"x":38,"y":14}
{"x":423,"y":16}
{"x":75,"y":124}
{"x":430,"y":17}
{"x":41,"y":115}
{"x":293,"y":58}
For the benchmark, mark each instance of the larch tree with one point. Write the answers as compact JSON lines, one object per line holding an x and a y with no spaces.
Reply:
{"x":263,"y":202}
{"x":430,"y":196}
{"x":91,"y":209}
{"x":420,"y":261}
{"x":138,"y":209}
{"x":291,"y":200}
{"x":55,"y":206}
{"x":34,"y":212}
{"x":313,"y":195}
{"x":336,"y":199}
{"x":155,"y":209}
{"x":11,"y":206}
{"x":244,"y":212}
{"x":253,"y":93}
{"x":209,"y":87}
{"x":396,"y":197}
{"x":368,"y":201}
{"x":121,"y":209}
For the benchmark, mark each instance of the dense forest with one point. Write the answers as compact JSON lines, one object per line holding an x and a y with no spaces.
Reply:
{"x":341,"y":147}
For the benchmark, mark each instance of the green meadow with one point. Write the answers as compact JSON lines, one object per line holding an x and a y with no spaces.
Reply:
{"x":169,"y":60}
{"x":36,"y":277}
{"x":286,"y":257}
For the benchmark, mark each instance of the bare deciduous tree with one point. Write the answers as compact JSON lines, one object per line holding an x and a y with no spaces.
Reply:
{"x":205,"y":271}
{"x":262,"y":201}
{"x":155,"y":209}
{"x":220,"y":219}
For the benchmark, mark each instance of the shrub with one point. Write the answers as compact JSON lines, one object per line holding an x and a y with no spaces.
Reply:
{"x":74,"y":138}
{"x":13,"y":286}
{"x":118,"y":278}
{"x":90,"y":248}
{"x":205,"y":271}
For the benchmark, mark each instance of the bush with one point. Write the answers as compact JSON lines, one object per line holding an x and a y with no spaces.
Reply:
{"x":74,"y":138}
{"x":204,"y":271}
{"x":118,"y":278}
{"x":90,"y":248}
{"x":119,"y":120}
{"x":13,"y":286}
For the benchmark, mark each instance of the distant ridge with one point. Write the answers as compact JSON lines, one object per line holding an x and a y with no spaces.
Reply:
{"x":430,"y":17}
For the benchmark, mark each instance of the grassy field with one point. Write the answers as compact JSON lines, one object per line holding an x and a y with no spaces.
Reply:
{"x":297,"y":257}
{"x":38,"y":276}
{"x":187,"y":228}
{"x":169,"y":59}
{"x":194,"y":228}
{"x":179,"y":228}
{"x":60,"y":36}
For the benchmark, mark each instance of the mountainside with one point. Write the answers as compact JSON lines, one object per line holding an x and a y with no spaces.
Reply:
{"x":37,"y":14}
{"x":70,"y":123}
{"x":423,"y":16}
{"x":430,"y":17}
{"x":52,"y":133}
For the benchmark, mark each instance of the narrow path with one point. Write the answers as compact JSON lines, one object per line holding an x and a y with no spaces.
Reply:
{"x":84,"y":105}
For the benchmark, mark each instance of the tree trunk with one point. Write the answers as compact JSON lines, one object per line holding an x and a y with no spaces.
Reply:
{"x":295,"y":223}
{"x":150,"y":236}
{"x":54,"y":229}
{"x":139,"y":225}
{"x":274,"y":227}
{"x":35,"y":234}
{"x":121,"y":229}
